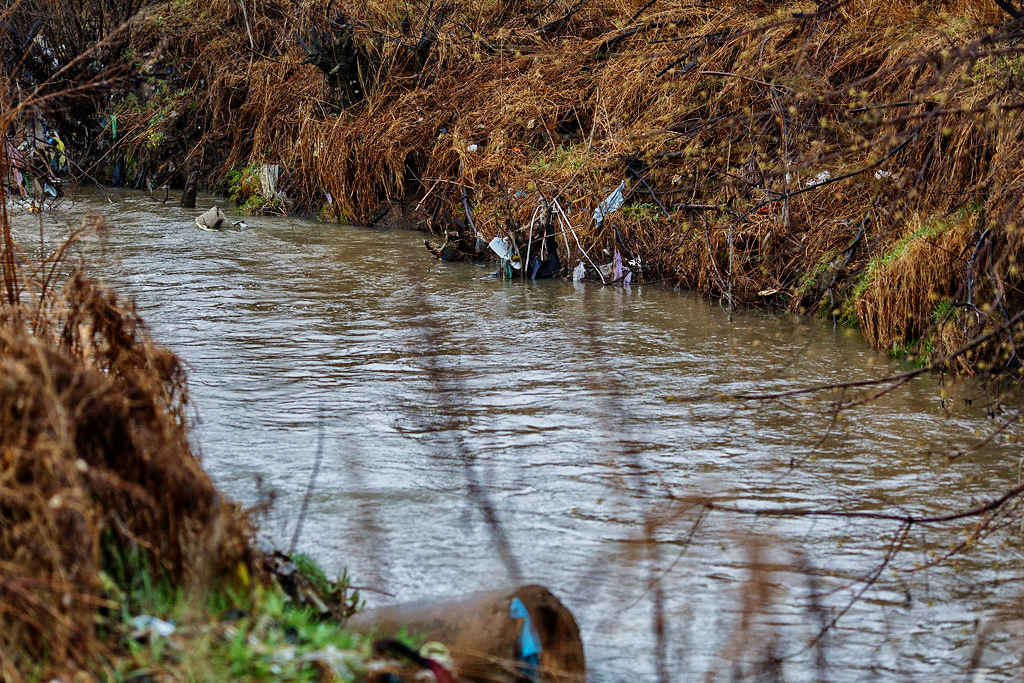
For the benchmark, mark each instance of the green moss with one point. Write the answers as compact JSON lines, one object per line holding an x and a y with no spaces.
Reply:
{"x":641,"y":211}
{"x":916,"y":352}
{"x":567,"y":157}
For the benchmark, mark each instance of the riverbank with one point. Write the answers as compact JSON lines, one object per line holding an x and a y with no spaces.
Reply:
{"x":856,"y":161}
{"x":121,"y":560}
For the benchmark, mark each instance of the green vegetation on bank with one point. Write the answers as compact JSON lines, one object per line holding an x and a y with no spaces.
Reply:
{"x":154,"y":626}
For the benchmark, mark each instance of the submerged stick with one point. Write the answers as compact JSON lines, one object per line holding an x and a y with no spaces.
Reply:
{"x":529,"y":242}
{"x":578,"y":244}
{"x":465,"y":205}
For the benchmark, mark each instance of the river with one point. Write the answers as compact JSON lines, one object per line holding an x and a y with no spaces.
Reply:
{"x":414,"y":379}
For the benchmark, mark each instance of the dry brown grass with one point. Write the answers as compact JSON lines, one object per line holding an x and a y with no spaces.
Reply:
{"x":898,"y":302}
{"x":95,"y":462}
{"x":733,"y":108}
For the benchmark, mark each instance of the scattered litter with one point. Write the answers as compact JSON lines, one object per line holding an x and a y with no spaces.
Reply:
{"x":620,"y":271}
{"x":819,"y":179}
{"x":579,"y":272}
{"x":269,"y":175}
{"x":544,"y":263}
{"x":341,"y":662}
{"x":147,"y":626}
{"x":59,"y":162}
{"x":768,"y":292}
{"x":503,"y":248}
{"x":439,"y":653}
{"x":611,"y":203}
{"x":883,"y":175}
{"x":528,"y":645}
{"x":213,"y":219}
{"x":471,"y":148}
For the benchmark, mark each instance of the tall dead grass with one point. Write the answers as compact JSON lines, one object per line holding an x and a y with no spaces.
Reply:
{"x":95,"y":466}
{"x":725,"y":112}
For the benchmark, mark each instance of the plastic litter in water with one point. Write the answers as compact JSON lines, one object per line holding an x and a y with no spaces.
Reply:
{"x":503,"y":248}
{"x":579,"y":272}
{"x":212,"y":219}
{"x":529,"y":640}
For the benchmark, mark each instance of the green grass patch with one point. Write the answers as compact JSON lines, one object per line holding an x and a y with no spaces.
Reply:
{"x":641,"y":211}
{"x":242,"y":186}
{"x":564,"y":158}
{"x":231,"y":632}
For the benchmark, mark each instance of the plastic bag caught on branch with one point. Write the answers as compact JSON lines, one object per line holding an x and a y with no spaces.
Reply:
{"x":611,"y":204}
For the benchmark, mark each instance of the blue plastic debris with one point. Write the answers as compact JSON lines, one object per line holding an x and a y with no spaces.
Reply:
{"x":529,"y":640}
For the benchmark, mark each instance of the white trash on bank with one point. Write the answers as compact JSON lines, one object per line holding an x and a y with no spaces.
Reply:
{"x":822,"y":177}
{"x":149,"y":626}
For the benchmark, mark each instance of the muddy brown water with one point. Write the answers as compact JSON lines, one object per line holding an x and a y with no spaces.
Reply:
{"x":295,"y":331}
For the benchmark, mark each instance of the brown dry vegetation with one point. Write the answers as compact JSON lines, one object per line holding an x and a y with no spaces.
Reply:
{"x":96,"y":468}
{"x":725,"y":110}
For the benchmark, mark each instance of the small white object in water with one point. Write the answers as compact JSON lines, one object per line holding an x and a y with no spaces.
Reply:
{"x":503,"y":248}
{"x":212,"y":219}
{"x":579,"y":272}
